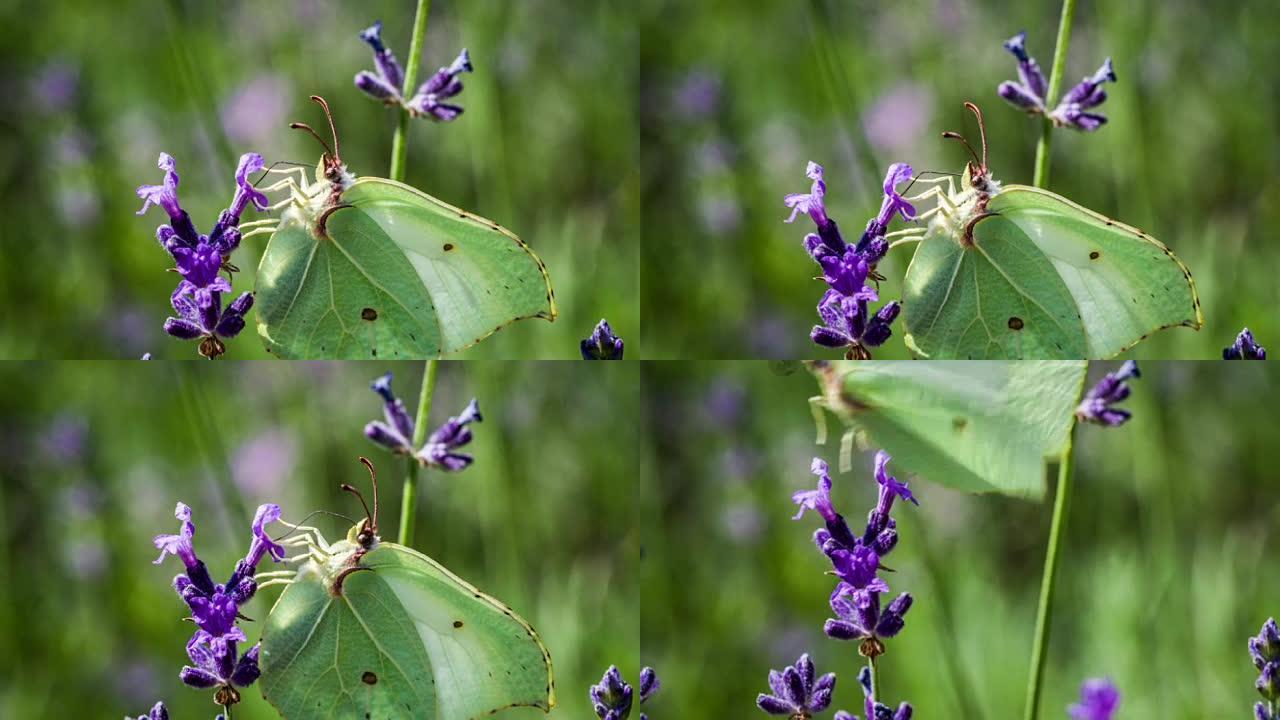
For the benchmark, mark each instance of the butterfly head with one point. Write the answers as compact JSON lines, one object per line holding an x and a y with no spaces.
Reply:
{"x":365,"y":532}
{"x":977,"y":175}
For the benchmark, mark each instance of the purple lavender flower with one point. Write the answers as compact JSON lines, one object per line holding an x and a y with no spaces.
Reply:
{"x":847,"y":321}
{"x":1029,"y":93}
{"x":395,"y":433}
{"x":874,"y":709}
{"x":1099,"y":699}
{"x":386,"y":85}
{"x":612,"y":697}
{"x":1111,"y":389}
{"x":215,"y":608}
{"x":157,"y":712}
{"x":200,"y":258}
{"x":1244,"y":348}
{"x":602,"y":344}
{"x":1264,"y":649}
{"x":453,"y":434}
{"x":797,"y":691}
{"x":649,"y":684}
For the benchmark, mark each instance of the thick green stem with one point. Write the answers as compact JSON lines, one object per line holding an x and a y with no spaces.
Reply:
{"x":400,"y":141}
{"x":409,"y":499}
{"x":1039,"y":648}
{"x":1041,"y":177}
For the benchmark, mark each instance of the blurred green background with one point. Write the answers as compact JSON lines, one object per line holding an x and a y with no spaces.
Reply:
{"x":547,"y":147}
{"x":544,"y":520}
{"x":736,"y":97}
{"x":1167,"y":567}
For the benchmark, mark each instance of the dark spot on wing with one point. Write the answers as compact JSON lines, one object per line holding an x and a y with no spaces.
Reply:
{"x":959,"y":423}
{"x":368,"y":314}
{"x":457,"y":623}
{"x":1015,"y":323}
{"x":368,"y":678}
{"x":1095,"y":255}
{"x":448,"y":247}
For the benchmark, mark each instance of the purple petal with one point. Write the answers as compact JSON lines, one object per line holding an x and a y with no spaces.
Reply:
{"x":376,"y":88}
{"x":1020,"y":97}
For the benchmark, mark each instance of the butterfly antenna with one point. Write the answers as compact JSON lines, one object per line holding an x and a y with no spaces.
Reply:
{"x":306,"y":127}
{"x":982,"y":130}
{"x":314,"y":513}
{"x":368,"y":516}
{"x":373,"y":478}
{"x":957,"y":136}
{"x":337,"y":155}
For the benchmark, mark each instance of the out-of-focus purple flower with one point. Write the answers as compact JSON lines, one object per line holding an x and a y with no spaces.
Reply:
{"x":895,"y":120}
{"x":395,"y":433}
{"x":1099,"y":699}
{"x":1244,"y":348}
{"x":797,"y":691}
{"x":441,"y":86}
{"x":56,"y":86}
{"x":1264,"y":650}
{"x":64,"y":440}
{"x":698,"y":94}
{"x":256,"y":109}
{"x":1112,"y":388}
{"x":453,"y":434}
{"x":260,"y":465}
{"x":1030,"y":92}
{"x":157,"y":712}
{"x":612,"y":697}
{"x":602,"y":344}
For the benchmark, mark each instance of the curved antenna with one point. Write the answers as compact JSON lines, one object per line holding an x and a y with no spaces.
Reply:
{"x":306,"y":127}
{"x":332,"y":130}
{"x":917,"y":176}
{"x":982,"y":130}
{"x":349,"y":488}
{"x":957,"y":136}
{"x":314,"y":513}
{"x":266,"y":171}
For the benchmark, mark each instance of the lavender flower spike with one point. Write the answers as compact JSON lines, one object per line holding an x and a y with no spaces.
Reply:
{"x":395,"y":433}
{"x":1029,"y":92}
{"x":1087,"y":95}
{"x":1111,"y":389}
{"x":649,"y":683}
{"x":387,"y":83}
{"x":1244,"y":348}
{"x":444,"y":84}
{"x":453,"y":434}
{"x":166,"y":196}
{"x":1099,"y":699}
{"x":611,"y":699}
{"x":157,"y":712}
{"x":797,"y":691}
{"x":602,"y":344}
{"x":1264,"y":649}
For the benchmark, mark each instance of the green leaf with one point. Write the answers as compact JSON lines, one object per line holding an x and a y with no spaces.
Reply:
{"x":395,"y":273}
{"x":401,"y":638}
{"x":973,"y":426}
{"x":1033,"y":275}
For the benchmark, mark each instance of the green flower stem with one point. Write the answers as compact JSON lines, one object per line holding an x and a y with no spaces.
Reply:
{"x":875,"y":678}
{"x":1039,"y":649}
{"x":1041,"y":177}
{"x":409,"y":499}
{"x":400,"y":141}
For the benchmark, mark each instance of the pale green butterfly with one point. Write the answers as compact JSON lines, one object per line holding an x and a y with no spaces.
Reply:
{"x":1011,"y":271}
{"x":368,"y":267}
{"x":974,"y":426}
{"x":370,"y":629}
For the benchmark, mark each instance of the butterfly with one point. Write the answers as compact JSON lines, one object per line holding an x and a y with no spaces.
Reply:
{"x":369,"y":628}
{"x":365,"y":267}
{"x":1011,"y":271}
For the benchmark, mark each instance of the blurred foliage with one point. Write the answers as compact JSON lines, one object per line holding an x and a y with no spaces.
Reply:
{"x":546,"y":147}
{"x":1165,"y":570}
{"x":738,"y":96}
{"x":544,"y":519}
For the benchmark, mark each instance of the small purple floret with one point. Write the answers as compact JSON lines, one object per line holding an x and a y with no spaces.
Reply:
{"x":602,"y":344}
{"x":1244,"y":348}
{"x":1099,"y":699}
{"x":1111,"y":389}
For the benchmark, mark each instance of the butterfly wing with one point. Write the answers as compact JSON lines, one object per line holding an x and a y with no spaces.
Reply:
{"x":998,"y":297}
{"x":352,"y":295}
{"x":1125,"y":283}
{"x":479,"y":276}
{"x":407,"y":639}
{"x":974,"y":426}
